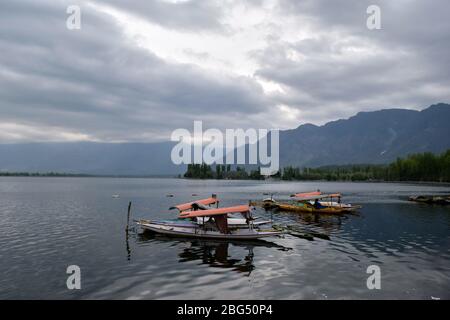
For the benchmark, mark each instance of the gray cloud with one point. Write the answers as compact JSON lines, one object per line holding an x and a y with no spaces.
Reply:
{"x":402,"y":65}
{"x":190,"y":15}
{"x":98,"y":84}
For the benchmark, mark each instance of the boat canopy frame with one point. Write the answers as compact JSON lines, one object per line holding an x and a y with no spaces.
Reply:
{"x":220,"y":216}
{"x":198,"y":204}
{"x":319,"y":197}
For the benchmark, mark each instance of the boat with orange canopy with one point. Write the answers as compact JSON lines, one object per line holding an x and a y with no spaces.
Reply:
{"x":316,"y":204}
{"x":346,"y":206}
{"x":216,"y":226}
{"x":206,"y":204}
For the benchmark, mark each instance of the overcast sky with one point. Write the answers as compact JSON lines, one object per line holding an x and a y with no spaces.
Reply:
{"x":136,"y":70}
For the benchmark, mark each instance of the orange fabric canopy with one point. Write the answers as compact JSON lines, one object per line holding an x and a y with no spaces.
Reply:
{"x":187,"y":206}
{"x":214,"y":212}
{"x":334,"y":195}
{"x":307,"y":194}
{"x":318,"y":197}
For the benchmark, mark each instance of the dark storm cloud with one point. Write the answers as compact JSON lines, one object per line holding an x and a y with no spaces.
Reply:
{"x":95,"y":82}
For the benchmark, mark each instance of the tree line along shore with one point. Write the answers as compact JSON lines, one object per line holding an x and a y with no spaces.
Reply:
{"x":426,"y":167}
{"x":42,"y":174}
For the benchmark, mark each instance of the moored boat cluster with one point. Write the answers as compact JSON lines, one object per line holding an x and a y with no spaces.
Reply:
{"x":204,"y":219}
{"x":199,"y":219}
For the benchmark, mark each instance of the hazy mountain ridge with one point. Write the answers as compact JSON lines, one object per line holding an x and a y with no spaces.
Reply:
{"x":367,"y":137}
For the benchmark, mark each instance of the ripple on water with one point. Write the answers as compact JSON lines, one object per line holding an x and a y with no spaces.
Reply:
{"x":48,"y":224}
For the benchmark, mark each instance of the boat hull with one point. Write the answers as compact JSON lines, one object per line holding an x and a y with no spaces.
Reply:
{"x":310,"y":209}
{"x":331,"y":207}
{"x":236,"y":234}
{"x":232,"y":223}
{"x":442,"y":200}
{"x":346,"y":207}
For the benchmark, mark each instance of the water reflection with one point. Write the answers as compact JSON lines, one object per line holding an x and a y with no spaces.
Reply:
{"x":325,"y":223}
{"x":48,"y":224}
{"x":215,"y":253}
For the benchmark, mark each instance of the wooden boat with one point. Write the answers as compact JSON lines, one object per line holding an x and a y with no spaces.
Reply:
{"x":216,"y":227}
{"x":235,"y":222}
{"x":308,"y":207}
{"x":205,"y":204}
{"x":199,"y":221}
{"x":311,"y":203}
{"x":306,"y":202}
{"x":317,"y":195}
{"x":269,"y":203}
{"x":440,"y":199}
{"x":199,"y":232}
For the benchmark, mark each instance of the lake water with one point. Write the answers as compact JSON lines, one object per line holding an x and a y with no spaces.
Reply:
{"x":48,"y":224}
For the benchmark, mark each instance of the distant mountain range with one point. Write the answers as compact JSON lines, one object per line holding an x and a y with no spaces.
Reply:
{"x":366,"y":138}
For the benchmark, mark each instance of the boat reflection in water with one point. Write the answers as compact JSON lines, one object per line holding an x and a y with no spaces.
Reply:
{"x":215,"y":252}
{"x":327,"y":223}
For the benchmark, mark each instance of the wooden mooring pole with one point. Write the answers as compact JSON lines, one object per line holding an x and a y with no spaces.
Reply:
{"x":128,"y":216}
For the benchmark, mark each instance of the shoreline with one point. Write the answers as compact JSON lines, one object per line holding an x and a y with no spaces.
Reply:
{"x":321,"y":181}
{"x":39,"y":175}
{"x":68,"y":175}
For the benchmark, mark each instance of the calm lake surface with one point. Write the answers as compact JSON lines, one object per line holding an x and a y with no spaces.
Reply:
{"x":48,"y":224}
